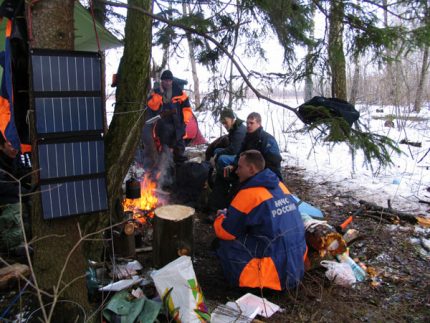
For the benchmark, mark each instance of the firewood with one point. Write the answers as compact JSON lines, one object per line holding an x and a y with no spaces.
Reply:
{"x":324,"y":239}
{"x":403,"y":216}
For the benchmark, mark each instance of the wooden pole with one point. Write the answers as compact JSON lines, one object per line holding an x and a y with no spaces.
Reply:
{"x":173,"y":234}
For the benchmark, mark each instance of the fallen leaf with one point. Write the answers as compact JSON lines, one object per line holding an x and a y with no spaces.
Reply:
{"x":423,"y":221}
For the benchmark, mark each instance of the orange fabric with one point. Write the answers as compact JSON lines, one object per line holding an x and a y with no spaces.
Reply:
{"x":180,"y":98}
{"x":306,"y":259}
{"x":155,"y":102}
{"x":25,"y":148}
{"x":284,"y":188}
{"x":4,"y":114}
{"x":247,"y":199}
{"x":259,"y":273}
{"x":8,"y":28}
{"x":219,"y":230}
{"x":188,"y":114}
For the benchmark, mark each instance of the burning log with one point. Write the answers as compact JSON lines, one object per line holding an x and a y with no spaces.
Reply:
{"x":173,"y":233}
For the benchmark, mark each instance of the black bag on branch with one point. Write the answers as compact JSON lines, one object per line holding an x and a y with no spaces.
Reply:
{"x":319,"y":108}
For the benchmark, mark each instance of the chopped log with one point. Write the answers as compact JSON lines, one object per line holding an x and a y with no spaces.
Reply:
{"x":11,"y":274}
{"x":385,"y":211}
{"x":173,"y":234}
{"x":324,"y":239}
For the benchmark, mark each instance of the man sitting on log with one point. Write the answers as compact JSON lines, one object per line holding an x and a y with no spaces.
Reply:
{"x":261,"y":235}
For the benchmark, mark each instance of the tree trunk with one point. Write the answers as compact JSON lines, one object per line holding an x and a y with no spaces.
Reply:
{"x":423,"y":78}
{"x":196,"y":82}
{"x":336,"y":56}
{"x":355,"y":81}
{"x":231,"y":95}
{"x":124,"y":131}
{"x":52,"y":27}
{"x":309,"y":85}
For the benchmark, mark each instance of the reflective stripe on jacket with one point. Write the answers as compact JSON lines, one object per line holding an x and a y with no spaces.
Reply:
{"x":262,"y":236}
{"x":179,"y":101}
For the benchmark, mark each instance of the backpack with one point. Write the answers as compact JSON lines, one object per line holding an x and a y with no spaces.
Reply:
{"x":319,"y":108}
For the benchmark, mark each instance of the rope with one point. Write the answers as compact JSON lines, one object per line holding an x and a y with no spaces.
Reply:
{"x":30,"y":22}
{"x":94,"y":24}
{"x":6,"y":311}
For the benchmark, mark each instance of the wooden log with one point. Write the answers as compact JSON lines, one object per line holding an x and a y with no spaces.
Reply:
{"x":173,"y":234}
{"x":324,"y":239}
{"x":403,"y":216}
{"x":11,"y":274}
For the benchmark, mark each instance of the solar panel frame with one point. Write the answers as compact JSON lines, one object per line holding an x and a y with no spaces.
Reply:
{"x":59,"y":159}
{"x":70,"y":198}
{"x":67,"y":94}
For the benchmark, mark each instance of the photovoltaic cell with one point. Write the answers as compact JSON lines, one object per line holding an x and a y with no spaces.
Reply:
{"x":73,"y":198}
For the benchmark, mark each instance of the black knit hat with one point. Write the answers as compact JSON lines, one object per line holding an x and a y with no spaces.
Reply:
{"x":226,"y":113}
{"x":167,"y":75}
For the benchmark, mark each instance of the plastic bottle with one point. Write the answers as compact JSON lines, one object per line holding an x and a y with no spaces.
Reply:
{"x":359,"y":273}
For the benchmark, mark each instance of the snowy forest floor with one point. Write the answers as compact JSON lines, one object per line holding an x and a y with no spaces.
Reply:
{"x":400,"y":292}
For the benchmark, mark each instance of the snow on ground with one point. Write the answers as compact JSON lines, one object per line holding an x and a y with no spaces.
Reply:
{"x":403,"y":183}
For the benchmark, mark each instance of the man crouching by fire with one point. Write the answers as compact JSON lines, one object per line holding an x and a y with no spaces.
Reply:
{"x":261,"y":235}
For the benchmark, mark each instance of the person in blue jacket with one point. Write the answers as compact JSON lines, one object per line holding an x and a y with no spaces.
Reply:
{"x":261,"y":234}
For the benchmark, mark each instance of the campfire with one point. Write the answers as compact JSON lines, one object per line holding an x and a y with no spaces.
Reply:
{"x":144,"y":206}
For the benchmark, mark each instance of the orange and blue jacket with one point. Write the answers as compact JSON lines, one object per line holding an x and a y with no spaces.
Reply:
{"x":179,"y":101}
{"x":262,"y":237}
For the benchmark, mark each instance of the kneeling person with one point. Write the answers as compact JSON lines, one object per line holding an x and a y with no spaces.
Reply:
{"x":262,"y":238}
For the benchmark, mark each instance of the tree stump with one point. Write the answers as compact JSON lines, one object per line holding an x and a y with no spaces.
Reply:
{"x":173,"y":234}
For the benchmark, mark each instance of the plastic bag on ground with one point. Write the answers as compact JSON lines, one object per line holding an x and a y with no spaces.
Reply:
{"x":177,"y":286}
{"x":339,"y":272}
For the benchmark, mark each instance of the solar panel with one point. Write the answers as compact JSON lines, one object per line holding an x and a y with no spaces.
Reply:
{"x":69,"y":113}
{"x":57,"y":160}
{"x":58,"y":71}
{"x":69,"y":198}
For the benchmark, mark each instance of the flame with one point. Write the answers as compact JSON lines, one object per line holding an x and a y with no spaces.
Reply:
{"x":148,"y":200}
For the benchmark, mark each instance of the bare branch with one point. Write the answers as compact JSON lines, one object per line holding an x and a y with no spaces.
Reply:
{"x":211,"y":39}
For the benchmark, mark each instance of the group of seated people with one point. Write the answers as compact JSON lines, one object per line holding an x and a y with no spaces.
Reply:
{"x":259,"y":229}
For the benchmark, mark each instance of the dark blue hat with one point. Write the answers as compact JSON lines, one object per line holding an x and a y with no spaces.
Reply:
{"x":167,"y":75}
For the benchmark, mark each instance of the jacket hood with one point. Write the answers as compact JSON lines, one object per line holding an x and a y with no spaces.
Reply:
{"x":266,"y":178}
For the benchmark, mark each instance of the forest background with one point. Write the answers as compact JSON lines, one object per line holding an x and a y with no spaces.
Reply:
{"x":367,"y":52}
